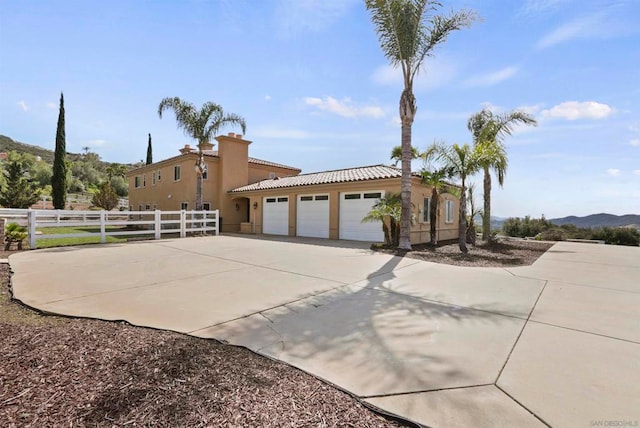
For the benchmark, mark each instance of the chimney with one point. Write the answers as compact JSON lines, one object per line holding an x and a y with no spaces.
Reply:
{"x":206,"y":146}
{"x":239,"y":136}
{"x":186,"y":149}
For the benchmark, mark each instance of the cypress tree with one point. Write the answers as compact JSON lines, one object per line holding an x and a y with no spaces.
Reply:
{"x":149,"y":152}
{"x":59,"y":178}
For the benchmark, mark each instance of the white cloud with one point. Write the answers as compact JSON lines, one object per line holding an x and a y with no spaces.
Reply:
{"x":267,"y":98}
{"x":610,"y":21}
{"x":492,"y":78}
{"x":438,"y":72}
{"x":23,"y":105}
{"x":635,"y":142}
{"x":344,"y":107}
{"x":636,"y":172}
{"x":614,"y":172}
{"x":530,"y":109}
{"x":534,"y":7}
{"x":572,"y":110}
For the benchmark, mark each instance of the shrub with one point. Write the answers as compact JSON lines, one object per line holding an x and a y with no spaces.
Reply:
{"x":553,"y":234}
{"x":14,"y":233}
{"x":618,"y":236}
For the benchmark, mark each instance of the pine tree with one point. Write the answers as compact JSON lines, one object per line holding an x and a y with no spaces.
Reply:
{"x":19,"y":191}
{"x":149,"y":152}
{"x":59,"y":178}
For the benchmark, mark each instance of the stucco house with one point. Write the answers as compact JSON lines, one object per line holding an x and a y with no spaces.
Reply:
{"x":258,"y":196}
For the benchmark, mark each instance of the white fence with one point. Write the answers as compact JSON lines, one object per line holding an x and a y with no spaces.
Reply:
{"x":153,"y":223}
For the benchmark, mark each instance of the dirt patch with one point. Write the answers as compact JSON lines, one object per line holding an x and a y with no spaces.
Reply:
{"x":77,"y":372}
{"x":500,"y":254}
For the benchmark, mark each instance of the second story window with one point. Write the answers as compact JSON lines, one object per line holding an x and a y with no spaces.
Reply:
{"x":136,"y":181}
{"x":176,"y":173}
{"x":159,"y":176}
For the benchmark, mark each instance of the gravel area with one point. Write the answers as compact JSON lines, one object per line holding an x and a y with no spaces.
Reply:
{"x":59,"y":371}
{"x":500,"y":254}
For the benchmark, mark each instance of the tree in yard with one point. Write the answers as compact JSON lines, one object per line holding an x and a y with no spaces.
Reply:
{"x":387,"y":211}
{"x":396,"y":154}
{"x":201,"y":125}
{"x":471,"y":217}
{"x":149,"y":152}
{"x":19,"y":190}
{"x":408,"y":32}
{"x":489,"y":130}
{"x":462,"y":162}
{"x":59,"y":177}
{"x":105,"y":197}
{"x":435,"y":179}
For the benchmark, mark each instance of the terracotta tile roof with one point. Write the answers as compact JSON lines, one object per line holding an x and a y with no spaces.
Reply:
{"x":363,"y":173}
{"x":256,"y":161}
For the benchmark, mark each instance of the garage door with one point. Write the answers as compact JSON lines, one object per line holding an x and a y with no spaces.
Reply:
{"x":313,"y":216}
{"x":275,"y":215}
{"x":354,"y":206}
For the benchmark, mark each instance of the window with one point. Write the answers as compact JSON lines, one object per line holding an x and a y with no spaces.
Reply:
{"x":176,"y":173}
{"x":449,"y":211}
{"x":144,"y":180}
{"x":155,"y":207}
{"x":352,"y":196}
{"x":136,"y":181}
{"x":153,"y":178}
{"x":140,"y":207}
{"x":269,"y":200}
{"x":283,"y":199}
{"x":205,"y":172}
{"x":159,"y":176}
{"x":306,"y":198}
{"x":206,"y":206}
{"x":147,"y":207}
{"x":426,"y":210}
{"x":322,"y":198}
{"x":184,"y":205}
{"x":372,"y":195}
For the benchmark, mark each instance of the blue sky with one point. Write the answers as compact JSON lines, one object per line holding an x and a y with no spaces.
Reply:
{"x":317,"y":93}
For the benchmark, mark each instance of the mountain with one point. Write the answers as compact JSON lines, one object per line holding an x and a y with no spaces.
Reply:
{"x":7,"y":145}
{"x":600,"y":220}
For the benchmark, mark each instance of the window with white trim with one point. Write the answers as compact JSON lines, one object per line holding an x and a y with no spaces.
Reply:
{"x":176,"y":173}
{"x":206,"y":206}
{"x":448,"y":211}
{"x":136,"y":181}
{"x":184,"y":205}
{"x":426,"y":210}
{"x":153,"y":178}
{"x":159,"y":175}
{"x":144,"y":180}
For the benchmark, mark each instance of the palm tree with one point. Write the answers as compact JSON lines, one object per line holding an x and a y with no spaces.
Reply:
{"x":396,"y":154}
{"x":489,"y":130}
{"x":462,"y":162}
{"x":435,"y":179}
{"x":471,"y":218}
{"x":115,"y":170}
{"x":386,"y":209}
{"x":408,"y":32}
{"x":201,"y":125}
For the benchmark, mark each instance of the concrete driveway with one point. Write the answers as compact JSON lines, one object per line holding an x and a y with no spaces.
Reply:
{"x":556,"y":343}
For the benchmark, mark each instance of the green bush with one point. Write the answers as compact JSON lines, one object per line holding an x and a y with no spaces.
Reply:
{"x":553,"y":234}
{"x":618,"y":235}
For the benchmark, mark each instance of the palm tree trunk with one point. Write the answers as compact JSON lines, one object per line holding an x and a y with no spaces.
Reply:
{"x":433,"y":216}
{"x":486,"y":217}
{"x":199,"y":191}
{"x":462,"y":214}
{"x":407,"y":114}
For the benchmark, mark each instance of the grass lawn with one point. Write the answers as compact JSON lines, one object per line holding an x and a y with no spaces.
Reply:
{"x":61,"y":242}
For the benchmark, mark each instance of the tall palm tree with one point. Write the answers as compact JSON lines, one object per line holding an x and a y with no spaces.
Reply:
{"x":462,"y":162}
{"x":489,"y":130}
{"x":435,"y":179}
{"x":201,"y":125}
{"x":408,"y":32}
{"x":396,"y":154}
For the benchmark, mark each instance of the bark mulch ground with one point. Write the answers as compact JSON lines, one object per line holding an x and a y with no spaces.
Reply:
{"x":57,"y":371}
{"x":496,"y":254}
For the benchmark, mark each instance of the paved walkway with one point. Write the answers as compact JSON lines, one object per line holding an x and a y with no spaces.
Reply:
{"x":556,"y":343}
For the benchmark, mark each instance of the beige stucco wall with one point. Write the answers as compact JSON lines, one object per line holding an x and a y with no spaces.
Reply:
{"x":419,"y":231}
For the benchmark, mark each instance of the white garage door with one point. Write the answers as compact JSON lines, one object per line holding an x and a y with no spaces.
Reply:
{"x":313,"y":216}
{"x":354,"y":206}
{"x":275,"y":215}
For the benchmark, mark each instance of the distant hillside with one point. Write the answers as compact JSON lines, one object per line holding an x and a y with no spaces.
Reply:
{"x":7,"y":145}
{"x":600,"y":220}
